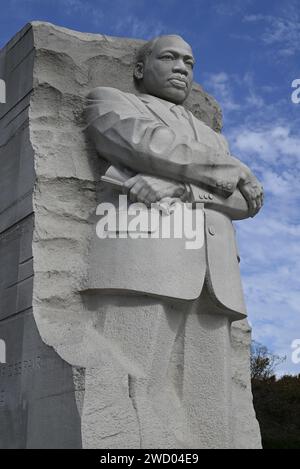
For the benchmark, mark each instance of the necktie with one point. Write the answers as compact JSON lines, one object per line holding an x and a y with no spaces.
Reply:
{"x":179,"y":112}
{"x":185,"y":121}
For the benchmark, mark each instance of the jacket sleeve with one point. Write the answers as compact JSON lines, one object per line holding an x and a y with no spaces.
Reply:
{"x":129,"y":135}
{"x":234,"y":206}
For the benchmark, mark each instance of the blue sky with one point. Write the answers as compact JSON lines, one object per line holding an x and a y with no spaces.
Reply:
{"x":247,"y":54}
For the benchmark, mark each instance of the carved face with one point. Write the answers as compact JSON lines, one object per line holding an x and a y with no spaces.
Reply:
{"x":168,"y":70}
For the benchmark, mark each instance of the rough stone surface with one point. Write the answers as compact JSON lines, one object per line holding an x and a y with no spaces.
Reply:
{"x":37,"y":391}
{"x":246,"y":433}
{"x":48,"y":197}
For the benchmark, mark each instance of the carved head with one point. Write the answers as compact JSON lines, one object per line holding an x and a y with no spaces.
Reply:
{"x":164,"y":68}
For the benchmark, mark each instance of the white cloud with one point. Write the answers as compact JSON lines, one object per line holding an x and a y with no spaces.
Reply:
{"x":282,"y":30}
{"x":133,"y":26}
{"x":271,"y":271}
{"x":83,"y":7}
{"x":226,"y":87}
{"x":231,"y":8}
{"x":270,"y":243}
{"x":253,"y":99}
{"x":243,"y":37}
{"x":219,"y":84}
{"x":273,"y":145}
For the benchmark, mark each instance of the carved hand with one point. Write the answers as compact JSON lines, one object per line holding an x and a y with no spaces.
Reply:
{"x":253,"y":192}
{"x":150,"y":189}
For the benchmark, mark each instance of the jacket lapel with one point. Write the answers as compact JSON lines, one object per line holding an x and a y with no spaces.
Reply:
{"x":194,"y":124}
{"x":161,"y":111}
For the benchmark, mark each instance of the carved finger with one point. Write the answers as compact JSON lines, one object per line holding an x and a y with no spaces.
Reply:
{"x":151,"y":198}
{"x":259,"y":202}
{"x":254,"y":208}
{"x":143,"y":195}
{"x":133,"y":194}
{"x":131,"y":182}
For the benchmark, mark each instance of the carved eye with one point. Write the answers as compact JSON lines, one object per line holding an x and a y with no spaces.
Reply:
{"x":190,"y":63}
{"x":167,"y":57}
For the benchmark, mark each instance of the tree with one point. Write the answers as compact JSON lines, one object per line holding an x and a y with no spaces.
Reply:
{"x":276,"y":400}
{"x":263,"y":362}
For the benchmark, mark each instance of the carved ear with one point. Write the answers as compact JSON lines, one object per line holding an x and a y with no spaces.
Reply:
{"x":139,"y":71}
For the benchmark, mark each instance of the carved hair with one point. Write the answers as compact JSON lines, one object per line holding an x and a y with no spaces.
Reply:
{"x":148,"y":47}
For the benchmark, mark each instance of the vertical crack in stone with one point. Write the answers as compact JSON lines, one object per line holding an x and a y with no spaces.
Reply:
{"x":79,"y":387}
{"x":134,"y":405}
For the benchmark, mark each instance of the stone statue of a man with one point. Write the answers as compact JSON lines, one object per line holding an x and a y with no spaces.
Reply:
{"x":166,"y":311}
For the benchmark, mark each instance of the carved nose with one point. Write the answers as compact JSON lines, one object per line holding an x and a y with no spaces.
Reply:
{"x":179,"y":66}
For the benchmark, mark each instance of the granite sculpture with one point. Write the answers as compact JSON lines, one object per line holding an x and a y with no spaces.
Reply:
{"x":98,"y":358}
{"x":170,"y":154}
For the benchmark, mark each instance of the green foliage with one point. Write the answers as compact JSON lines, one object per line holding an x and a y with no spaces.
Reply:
{"x":276,"y":401}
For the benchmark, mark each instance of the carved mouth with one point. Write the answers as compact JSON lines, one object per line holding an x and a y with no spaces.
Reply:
{"x":178,"y":82}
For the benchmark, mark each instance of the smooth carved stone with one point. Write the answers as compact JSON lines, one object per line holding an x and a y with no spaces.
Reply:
{"x":55,"y":390}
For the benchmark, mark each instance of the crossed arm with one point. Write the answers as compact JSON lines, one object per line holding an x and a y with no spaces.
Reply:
{"x":126,"y":134}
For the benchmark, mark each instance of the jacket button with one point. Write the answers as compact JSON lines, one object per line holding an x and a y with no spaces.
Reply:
{"x":210,"y":196}
{"x":200,"y":196}
{"x":212,"y":230}
{"x":206,"y":196}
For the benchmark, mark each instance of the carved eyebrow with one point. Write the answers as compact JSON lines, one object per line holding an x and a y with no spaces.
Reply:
{"x":175,"y":52}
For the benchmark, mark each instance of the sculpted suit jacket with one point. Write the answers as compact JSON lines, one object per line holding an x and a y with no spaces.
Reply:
{"x":149,"y":135}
